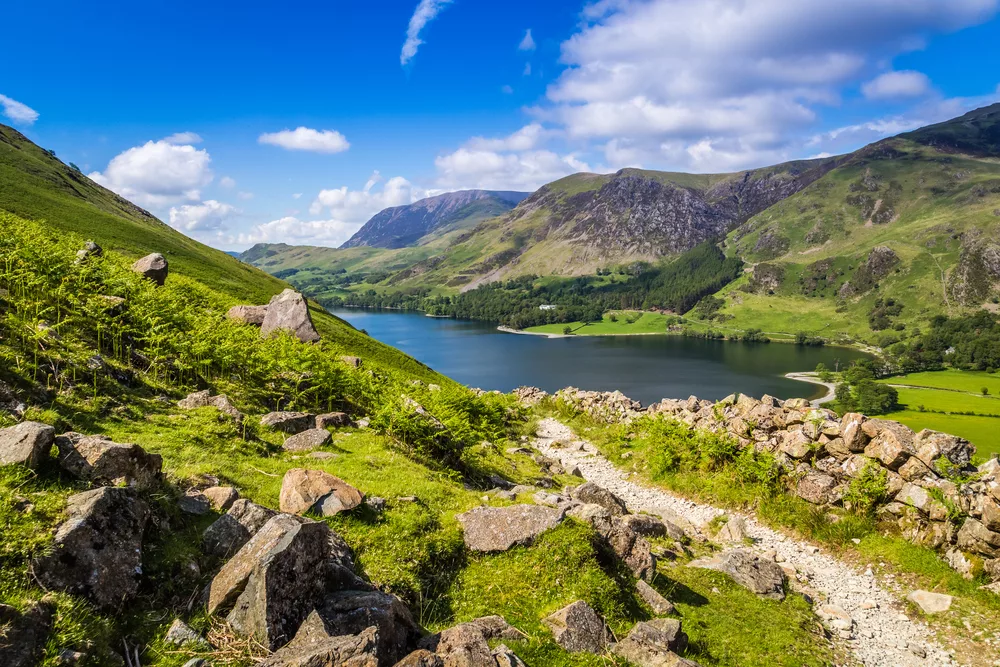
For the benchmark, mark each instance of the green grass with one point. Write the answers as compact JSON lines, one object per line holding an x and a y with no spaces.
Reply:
{"x":958,"y":380}
{"x":647,"y":323}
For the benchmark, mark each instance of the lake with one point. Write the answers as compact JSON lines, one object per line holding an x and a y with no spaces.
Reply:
{"x":646,"y":368}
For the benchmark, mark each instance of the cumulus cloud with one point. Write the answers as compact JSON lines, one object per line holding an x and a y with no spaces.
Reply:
{"x":528,"y":43}
{"x":493,"y":170}
{"x":728,"y":83}
{"x":425,"y":12}
{"x":897,"y":85}
{"x":524,"y":139}
{"x":307,"y":139}
{"x":242,"y":194}
{"x":209,"y":215}
{"x":17,"y":111}
{"x":227,"y":182}
{"x":183,"y":138}
{"x":157,"y":173}
{"x":295,"y":231}
{"x":357,"y":206}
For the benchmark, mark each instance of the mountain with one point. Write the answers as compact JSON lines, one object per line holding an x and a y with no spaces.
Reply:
{"x":36,"y":185}
{"x":402,"y":226}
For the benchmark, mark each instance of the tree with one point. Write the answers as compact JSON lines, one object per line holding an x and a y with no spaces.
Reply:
{"x":986,"y":391}
{"x":873,"y":398}
{"x":567,"y":330}
{"x":823,"y":372}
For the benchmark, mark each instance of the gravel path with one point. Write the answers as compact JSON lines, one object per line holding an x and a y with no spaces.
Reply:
{"x":882,"y":636}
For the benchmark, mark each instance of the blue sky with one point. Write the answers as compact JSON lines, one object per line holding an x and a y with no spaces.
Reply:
{"x":246,"y":122}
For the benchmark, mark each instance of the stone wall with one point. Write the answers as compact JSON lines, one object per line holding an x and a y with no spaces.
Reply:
{"x":823,"y":453}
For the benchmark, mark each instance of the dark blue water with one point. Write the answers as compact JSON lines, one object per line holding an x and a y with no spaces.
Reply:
{"x":646,"y":368}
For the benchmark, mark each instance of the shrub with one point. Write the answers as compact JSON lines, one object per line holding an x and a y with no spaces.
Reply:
{"x":867,"y":490}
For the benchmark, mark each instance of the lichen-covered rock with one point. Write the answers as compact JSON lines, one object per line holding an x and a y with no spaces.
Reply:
{"x":891,"y":444}
{"x":289,"y":312}
{"x":500,"y":528}
{"x":973,"y":536}
{"x":852,"y":432}
{"x":303,"y":490}
{"x":933,"y":445}
{"x":588,"y":492}
{"x":632,"y":549}
{"x":760,"y":576}
{"x":288,"y":422}
{"x":350,"y":612}
{"x":659,"y":604}
{"x":421,"y":658}
{"x":579,"y":629}
{"x":23,"y":634}
{"x":653,"y":643}
{"x":95,"y":458}
{"x":235,"y":528}
{"x":332,"y":420}
{"x":816,"y":488}
{"x":595,"y":515}
{"x":27,"y":444}
{"x":97,"y":551}
{"x":180,"y":633}
{"x":306,"y":441}
{"x":313,"y":647}
{"x":253,"y":315}
{"x":796,"y":444}
{"x":204,"y":399}
{"x":221,"y":497}
{"x":152,"y":266}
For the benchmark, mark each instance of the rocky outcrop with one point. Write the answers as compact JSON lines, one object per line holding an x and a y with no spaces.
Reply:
{"x":95,"y":458}
{"x":500,"y":528}
{"x":758,"y":575}
{"x":27,"y":444}
{"x":608,"y":406}
{"x":312,"y":647}
{"x":97,"y":551}
{"x":656,"y":642}
{"x":307,"y":441}
{"x":289,"y":422}
{"x":314,"y":490}
{"x":579,"y":629}
{"x":253,"y":315}
{"x":152,"y":266}
{"x":881,"y":261}
{"x":289,"y":312}
{"x":766,"y":278}
{"x":234,"y":529}
{"x":971,"y":282}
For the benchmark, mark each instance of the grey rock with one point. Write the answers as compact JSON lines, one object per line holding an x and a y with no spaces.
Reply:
{"x":194,"y":503}
{"x":313,"y":647}
{"x":152,"y":266}
{"x":253,"y":315}
{"x":421,"y":658}
{"x":816,"y":488}
{"x":221,"y":497}
{"x":975,"y":537}
{"x":289,"y":312}
{"x":734,"y":530}
{"x":289,"y":422}
{"x":350,"y":612}
{"x":235,"y":528}
{"x":97,"y":459}
{"x":579,"y":629}
{"x":588,"y":492}
{"x":653,"y":643}
{"x":27,"y":444}
{"x":659,"y":604}
{"x":303,"y":490}
{"x":504,"y":657}
{"x":595,"y":515}
{"x":333,"y":420}
{"x":97,"y":551}
{"x":180,"y":633}
{"x":306,"y":441}
{"x":760,"y":576}
{"x":23,"y":634}
{"x":500,"y":528}
{"x":632,"y":548}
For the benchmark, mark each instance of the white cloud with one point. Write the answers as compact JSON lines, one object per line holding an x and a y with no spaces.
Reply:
{"x":528,"y":43}
{"x":359,"y":205}
{"x":299,"y":232}
{"x":244,"y":195}
{"x":297,"y":195}
{"x":725,"y":83}
{"x":18,"y":112}
{"x":307,"y":139}
{"x":524,"y":139}
{"x":425,"y":12}
{"x":527,"y":70}
{"x":227,"y":182}
{"x":157,"y":174}
{"x":209,"y":215}
{"x":492,"y":170}
{"x":897,"y":85}
{"x":183,"y":138}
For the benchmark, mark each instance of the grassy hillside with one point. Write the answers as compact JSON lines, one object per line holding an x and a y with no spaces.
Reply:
{"x":38,"y":186}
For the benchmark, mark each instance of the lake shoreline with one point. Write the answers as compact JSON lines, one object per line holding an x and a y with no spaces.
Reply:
{"x":812,"y":378}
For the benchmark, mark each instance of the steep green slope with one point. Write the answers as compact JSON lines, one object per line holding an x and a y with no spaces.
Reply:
{"x":34,"y":184}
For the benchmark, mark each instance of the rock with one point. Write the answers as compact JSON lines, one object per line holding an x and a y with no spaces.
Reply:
{"x":27,"y":444}
{"x":275,"y":580}
{"x":500,"y":528}
{"x":632,"y":549}
{"x":332,"y":420}
{"x":310,"y":648}
{"x":797,"y":404}
{"x":593,"y":514}
{"x":97,"y":551}
{"x":579,"y":629}
{"x":305,"y":441}
{"x":289,"y":422}
{"x":852,"y":432}
{"x":932,"y":445}
{"x":795,"y":444}
{"x":991,"y":514}
{"x":588,"y":492}
{"x":892,"y":445}
{"x":375,"y":504}
{"x":646,"y":525}
{"x":465,"y":645}
{"x":204,"y":399}
{"x":816,"y":488}
{"x":152,"y":266}
{"x":760,"y":576}
{"x":959,"y":562}
{"x":180,"y":633}
{"x":89,"y":249}
{"x":304,"y":490}
{"x":288,"y":312}
{"x":834,"y":617}
{"x":734,"y":530}
{"x":930,"y":603}
{"x":350,"y":612}
{"x":194,"y":503}
{"x":914,"y":470}
{"x":235,"y":528}
{"x":504,"y":657}
{"x":248,"y":314}
{"x":421,"y":658}
{"x":23,"y":635}
{"x":975,"y":537}
{"x":659,"y":604}
{"x":97,"y":459}
{"x":221,"y":497}
{"x":353,"y":362}
{"x":653,"y":643}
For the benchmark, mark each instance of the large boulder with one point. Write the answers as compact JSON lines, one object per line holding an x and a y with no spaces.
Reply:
{"x":855,"y":438}
{"x":891,"y":443}
{"x":653,"y":643}
{"x":816,"y":488}
{"x":303,"y":490}
{"x":500,"y":528}
{"x":97,"y":551}
{"x":152,"y":266}
{"x":332,"y":420}
{"x":95,"y":458}
{"x":275,"y":580}
{"x":248,"y":314}
{"x":932,"y":445}
{"x":350,"y":612}
{"x":760,"y":576}
{"x":307,"y":441}
{"x":589,"y":492}
{"x":23,"y":634}
{"x":579,"y":629}
{"x":289,"y":422}
{"x":289,"y":312}
{"x":232,"y":530}
{"x":204,"y":399}
{"x":632,"y":548}
{"x":975,"y":537}
{"x":313,"y":647}
{"x":27,"y":444}
{"x":930,"y":603}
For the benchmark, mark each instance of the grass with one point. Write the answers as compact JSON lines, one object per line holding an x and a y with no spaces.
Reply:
{"x":647,"y":323}
{"x":958,"y":380}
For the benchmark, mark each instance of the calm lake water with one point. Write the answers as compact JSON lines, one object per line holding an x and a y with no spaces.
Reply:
{"x":646,"y":368}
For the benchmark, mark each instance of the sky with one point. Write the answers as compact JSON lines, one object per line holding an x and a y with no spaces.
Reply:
{"x":241,"y":123}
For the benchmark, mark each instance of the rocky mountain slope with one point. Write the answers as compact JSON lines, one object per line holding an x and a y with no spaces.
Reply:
{"x":407,"y":225}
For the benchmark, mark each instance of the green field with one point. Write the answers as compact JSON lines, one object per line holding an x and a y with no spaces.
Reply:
{"x":647,"y":323}
{"x":967,"y":381}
